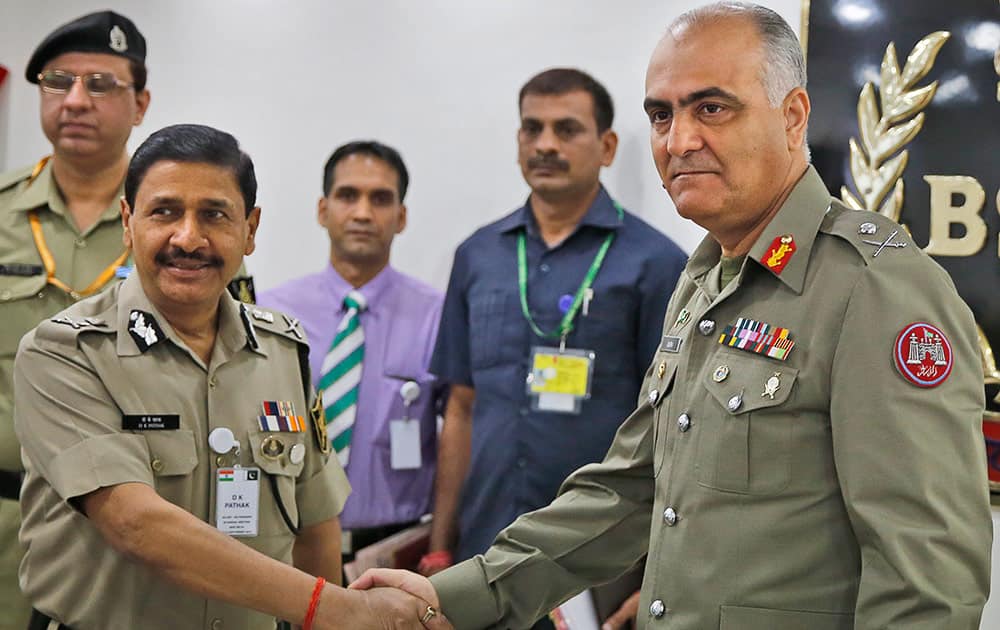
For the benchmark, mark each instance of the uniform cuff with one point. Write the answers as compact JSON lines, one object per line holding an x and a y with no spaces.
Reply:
{"x":325,"y":493}
{"x":466,"y":598}
{"x":99,"y":462}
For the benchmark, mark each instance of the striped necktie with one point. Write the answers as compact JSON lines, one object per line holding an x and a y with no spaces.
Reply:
{"x":341,"y":376}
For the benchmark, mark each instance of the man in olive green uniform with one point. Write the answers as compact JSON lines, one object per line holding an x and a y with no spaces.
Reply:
{"x":806,"y":453}
{"x":175,"y":470}
{"x":59,"y":218}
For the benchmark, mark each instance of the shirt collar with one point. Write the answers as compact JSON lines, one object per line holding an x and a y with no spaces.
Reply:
{"x":373,"y":290}
{"x":800,"y":217}
{"x":232,"y":336}
{"x":602,"y":213}
{"x":43,"y":191}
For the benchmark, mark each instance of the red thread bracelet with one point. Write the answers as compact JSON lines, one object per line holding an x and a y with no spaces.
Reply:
{"x":313,"y":603}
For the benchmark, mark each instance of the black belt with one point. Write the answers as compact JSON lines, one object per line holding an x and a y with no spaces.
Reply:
{"x":10,"y":484}
{"x":41,"y":621}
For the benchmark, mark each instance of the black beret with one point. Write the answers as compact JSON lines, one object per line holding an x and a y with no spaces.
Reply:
{"x":102,"y":32}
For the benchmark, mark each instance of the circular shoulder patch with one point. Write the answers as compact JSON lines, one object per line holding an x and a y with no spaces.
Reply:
{"x":923,"y":354}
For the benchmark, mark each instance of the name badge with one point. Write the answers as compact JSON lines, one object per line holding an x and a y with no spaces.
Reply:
{"x":151,"y":422}
{"x":404,"y":444}
{"x":560,"y":380}
{"x":237,"y":501}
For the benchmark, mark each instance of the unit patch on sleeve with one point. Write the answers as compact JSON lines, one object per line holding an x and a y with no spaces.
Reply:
{"x":923,"y":355}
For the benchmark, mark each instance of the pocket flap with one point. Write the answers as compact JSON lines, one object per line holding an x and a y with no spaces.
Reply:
{"x":272,"y":451}
{"x":747,"y":618}
{"x":171,"y":452}
{"x":756,"y":381}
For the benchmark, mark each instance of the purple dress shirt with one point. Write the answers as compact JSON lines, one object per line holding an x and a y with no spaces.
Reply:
{"x":400,"y":325}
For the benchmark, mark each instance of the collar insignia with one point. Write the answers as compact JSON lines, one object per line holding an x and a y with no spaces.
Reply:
{"x":144,"y":330}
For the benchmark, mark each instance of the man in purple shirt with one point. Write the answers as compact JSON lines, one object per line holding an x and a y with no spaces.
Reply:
{"x":371,"y":333}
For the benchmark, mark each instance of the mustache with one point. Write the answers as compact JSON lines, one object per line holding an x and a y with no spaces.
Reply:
{"x":175,"y":254}
{"x":689,"y":165}
{"x":548,"y":161}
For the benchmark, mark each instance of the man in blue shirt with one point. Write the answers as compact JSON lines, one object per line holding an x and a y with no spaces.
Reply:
{"x":569,"y":278}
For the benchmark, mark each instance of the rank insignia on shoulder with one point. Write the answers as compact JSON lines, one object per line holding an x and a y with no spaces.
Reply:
{"x":263,"y":316}
{"x":759,"y":338}
{"x":923,"y":354}
{"x":77,"y":324}
{"x":280,"y":416}
{"x":292,"y":326}
{"x":888,"y":242}
{"x":319,"y":425}
{"x":779,"y":253}
{"x":144,"y":330}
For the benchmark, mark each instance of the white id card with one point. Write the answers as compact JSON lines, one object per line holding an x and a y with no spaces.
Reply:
{"x":237,"y":501}
{"x":404,"y":442}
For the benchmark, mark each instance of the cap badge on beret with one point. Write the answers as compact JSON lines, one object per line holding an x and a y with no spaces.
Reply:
{"x":118,"y":42}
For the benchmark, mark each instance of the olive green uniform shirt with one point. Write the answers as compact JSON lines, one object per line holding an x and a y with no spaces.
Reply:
{"x":851,"y":499}
{"x":77,"y":376}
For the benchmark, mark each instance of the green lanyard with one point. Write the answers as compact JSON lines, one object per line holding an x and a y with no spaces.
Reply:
{"x":566,"y":325}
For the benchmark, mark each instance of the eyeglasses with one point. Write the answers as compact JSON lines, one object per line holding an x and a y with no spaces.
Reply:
{"x":96,"y":84}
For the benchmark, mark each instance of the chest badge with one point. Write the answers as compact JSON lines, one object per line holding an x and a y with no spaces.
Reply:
{"x":771,"y":385}
{"x":779,"y":253}
{"x":923,"y":355}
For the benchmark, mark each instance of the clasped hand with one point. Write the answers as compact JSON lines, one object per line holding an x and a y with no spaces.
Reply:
{"x":390,"y":599}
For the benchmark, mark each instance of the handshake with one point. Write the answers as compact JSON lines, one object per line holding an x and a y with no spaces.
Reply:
{"x":383,"y":599}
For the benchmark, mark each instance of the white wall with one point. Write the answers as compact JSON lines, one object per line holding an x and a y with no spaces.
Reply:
{"x":437,"y":79}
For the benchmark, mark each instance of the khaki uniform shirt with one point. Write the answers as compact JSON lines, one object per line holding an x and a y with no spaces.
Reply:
{"x":846,"y":498}
{"x":78,"y":375}
{"x":25,"y":298}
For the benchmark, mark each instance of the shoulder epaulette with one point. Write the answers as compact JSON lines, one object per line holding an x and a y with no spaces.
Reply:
{"x":15,"y":177}
{"x":870,"y":233}
{"x":275,"y":322}
{"x":65,"y":327}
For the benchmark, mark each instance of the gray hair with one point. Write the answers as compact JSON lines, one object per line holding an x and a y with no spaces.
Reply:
{"x":784,"y":66}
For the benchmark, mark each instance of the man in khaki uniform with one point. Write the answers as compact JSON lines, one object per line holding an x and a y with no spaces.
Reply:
{"x":60,"y":230}
{"x":174,"y":471}
{"x":807,"y":451}
{"x":59,"y":218}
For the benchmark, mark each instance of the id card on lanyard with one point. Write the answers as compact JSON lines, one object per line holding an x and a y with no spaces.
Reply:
{"x":559,"y":379}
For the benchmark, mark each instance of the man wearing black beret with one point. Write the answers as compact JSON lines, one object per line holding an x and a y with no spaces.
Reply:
{"x":60,"y":224}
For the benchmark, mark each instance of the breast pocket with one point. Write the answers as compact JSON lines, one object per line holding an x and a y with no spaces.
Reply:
{"x":487,"y":312}
{"x":744,"y":444}
{"x":275,"y":453}
{"x":20,"y":305}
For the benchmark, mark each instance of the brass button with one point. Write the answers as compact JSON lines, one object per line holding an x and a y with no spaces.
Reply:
{"x":41,"y":295}
{"x":81,"y":243}
{"x":735,"y":402}
{"x":272,"y":447}
{"x":217,"y":624}
{"x":156,"y":464}
{"x":212,"y":383}
{"x":653,"y":395}
{"x":220,"y":460}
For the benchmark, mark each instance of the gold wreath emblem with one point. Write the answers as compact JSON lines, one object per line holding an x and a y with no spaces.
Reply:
{"x":877,"y":175}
